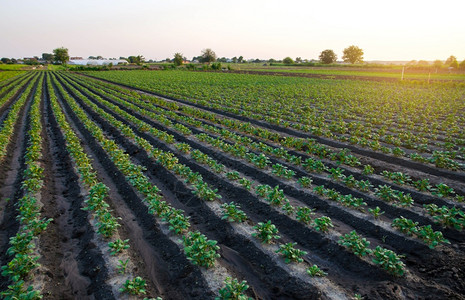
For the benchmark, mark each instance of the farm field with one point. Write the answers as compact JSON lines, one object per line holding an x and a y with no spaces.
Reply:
{"x":387,"y":73}
{"x":196,"y":185}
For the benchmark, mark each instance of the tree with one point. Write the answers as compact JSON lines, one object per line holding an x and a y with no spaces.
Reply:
{"x":288,"y":61}
{"x":452,"y":62}
{"x":178,"y":59}
{"x":240,"y":59}
{"x":422,"y":63}
{"x":138,"y":60}
{"x":5,"y":60}
{"x":234,"y":60}
{"x":48,"y":57}
{"x":328,"y":56}
{"x":437,"y":63}
{"x":298,"y":60}
{"x":208,"y":55}
{"x":462,"y":65}
{"x":353,"y":54}
{"x":61,"y":55}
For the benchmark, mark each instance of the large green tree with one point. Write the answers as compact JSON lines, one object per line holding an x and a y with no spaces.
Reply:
{"x":48,"y":57}
{"x":138,"y":60}
{"x":328,"y":56}
{"x":61,"y":55}
{"x":353,"y":54}
{"x":288,"y":61}
{"x":208,"y":55}
{"x":452,"y":62}
{"x":178,"y":59}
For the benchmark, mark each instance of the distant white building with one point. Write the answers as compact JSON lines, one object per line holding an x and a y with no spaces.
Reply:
{"x":96,"y":62}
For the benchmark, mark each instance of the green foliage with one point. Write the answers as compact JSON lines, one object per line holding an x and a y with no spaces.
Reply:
{"x":389,"y":261}
{"x":61,"y":55}
{"x":233,"y":290}
{"x":304,"y":214}
{"x":266,"y":232}
{"x":355,"y":243}
{"x":368,"y":170}
{"x":322,"y":224}
{"x":233,"y":213}
{"x":208,"y":56}
{"x":353,"y":54}
{"x":199,"y":250}
{"x":450,"y":217}
{"x":136,"y":286}
{"x":290,"y":253}
{"x":178,"y":59}
{"x":118,"y":246}
{"x":305,"y":181}
{"x":328,"y":56}
{"x":122,"y":266}
{"x":315,"y":271}
{"x":288,"y":61}
{"x":17,"y":291}
{"x":276,"y":196}
{"x":263,"y":190}
{"x":376,"y":212}
{"x":233,"y":175}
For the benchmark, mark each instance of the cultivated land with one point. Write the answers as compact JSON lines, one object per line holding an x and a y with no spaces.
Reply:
{"x":305,"y":188}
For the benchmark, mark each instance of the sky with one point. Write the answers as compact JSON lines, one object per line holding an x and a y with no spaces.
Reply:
{"x":386,"y":30}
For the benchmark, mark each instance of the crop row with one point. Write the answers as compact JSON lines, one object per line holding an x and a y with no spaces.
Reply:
{"x":23,"y":244}
{"x":275,"y":196}
{"x":9,"y":123}
{"x":197,"y":247}
{"x":384,"y":192}
{"x":264,"y":230}
{"x":269,"y":103}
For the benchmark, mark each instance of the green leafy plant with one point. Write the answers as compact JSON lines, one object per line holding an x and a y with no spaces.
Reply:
{"x":245,"y":183}
{"x":442,"y":190}
{"x":315,"y":271}
{"x":290,"y":253}
{"x":266,"y":232}
{"x":305,"y":181}
{"x":355,"y":243}
{"x":263,"y":190}
{"x":368,"y":170}
{"x":389,"y":261}
{"x":122,"y":266}
{"x":233,"y":290}
{"x":405,"y":225}
{"x":322,"y":224}
{"x":233,"y":175}
{"x":199,"y":250}
{"x":136,"y":286}
{"x":118,"y":246}
{"x":376,"y":212}
{"x":233,"y":213}
{"x":276,"y":196}
{"x":304,"y":214}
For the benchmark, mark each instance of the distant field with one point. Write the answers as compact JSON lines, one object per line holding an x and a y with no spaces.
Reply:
{"x":12,"y":67}
{"x":6,"y":75}
{"x":391,"y":73}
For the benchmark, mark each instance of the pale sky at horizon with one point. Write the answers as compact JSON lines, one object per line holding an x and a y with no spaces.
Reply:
{"x":385,"y":30}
